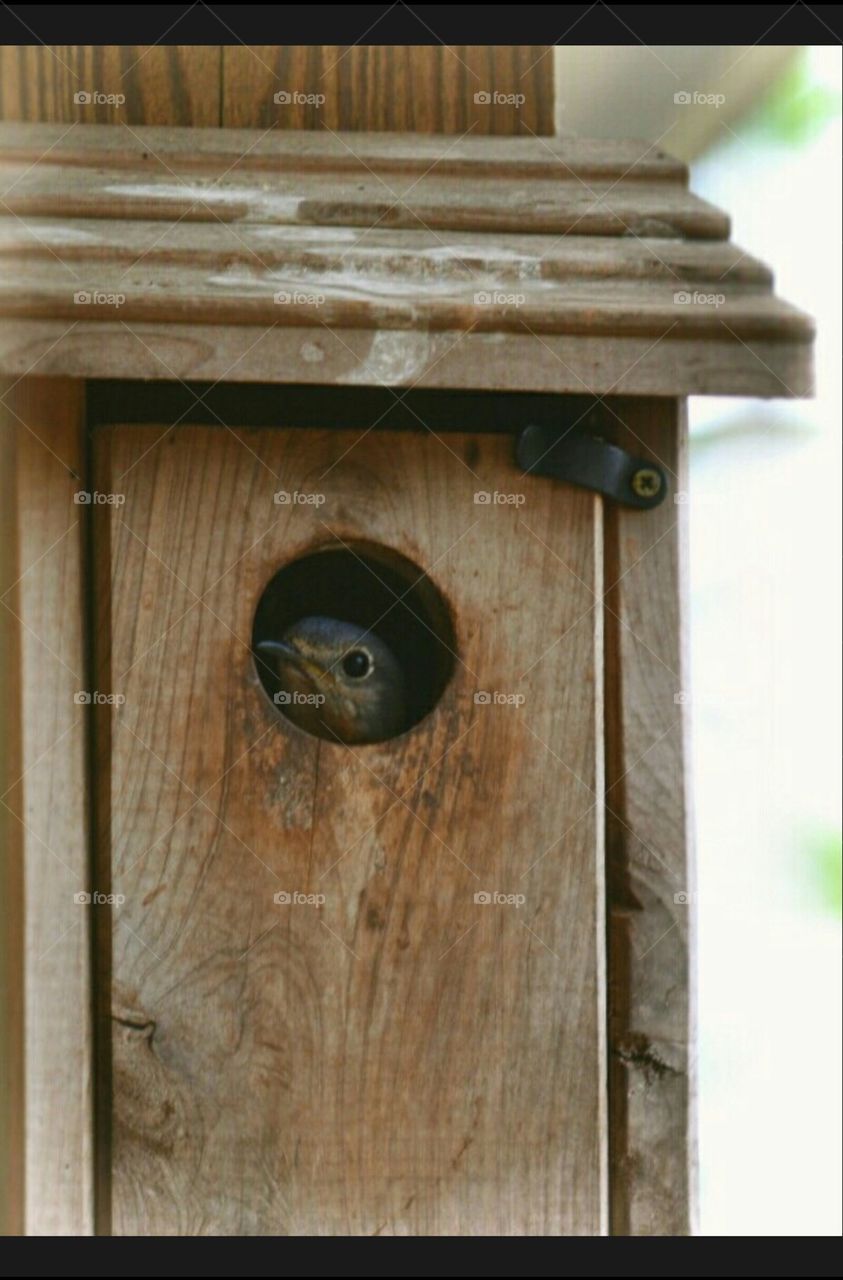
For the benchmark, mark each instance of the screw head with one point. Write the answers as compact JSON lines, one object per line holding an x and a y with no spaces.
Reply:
{"x":646,"y":482}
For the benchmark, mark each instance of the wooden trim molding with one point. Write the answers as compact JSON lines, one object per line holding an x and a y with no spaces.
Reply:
{"x":380,"y":258}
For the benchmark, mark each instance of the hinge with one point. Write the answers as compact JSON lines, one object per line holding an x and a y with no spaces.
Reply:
{"x":584,"y":459}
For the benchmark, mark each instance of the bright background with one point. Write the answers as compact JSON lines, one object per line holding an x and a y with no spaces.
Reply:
{"x":765,"y":639}
{"x":765,"y":630}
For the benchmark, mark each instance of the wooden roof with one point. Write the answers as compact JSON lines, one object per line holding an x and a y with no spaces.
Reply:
{"x":529,"y":264}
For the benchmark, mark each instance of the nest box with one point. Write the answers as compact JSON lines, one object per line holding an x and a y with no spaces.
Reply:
{"x":277,"y":981}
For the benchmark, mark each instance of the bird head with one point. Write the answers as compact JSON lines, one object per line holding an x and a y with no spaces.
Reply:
{"x":342,"y":681}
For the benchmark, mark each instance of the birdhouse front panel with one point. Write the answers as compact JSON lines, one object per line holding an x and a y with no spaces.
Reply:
{"x":354,"y":988}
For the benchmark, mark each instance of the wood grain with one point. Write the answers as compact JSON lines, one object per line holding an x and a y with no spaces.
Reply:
{"x":12,"y":1138}
{"x":45,"y":808}
{"x":402,"y":1059}
{"x":160,"y":84}
{"x":554,"y":205}
{"x":650,"y":871}
{"x":576,"y":363}
{"x":400,"y":260}
{"x":390,"y":280}
{"x":422,"y":88}
{"x":186,"y":150}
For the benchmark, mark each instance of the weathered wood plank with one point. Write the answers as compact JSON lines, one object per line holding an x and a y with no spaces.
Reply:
{"x":12,"y":969}
{"x":650,"y":873}
{"x":440,"y":257}
{"x":401,"y":1059}
{"x":578,"y":364}
{"x":553,"y":205}
{"x":344,"y":297}
{"x":45,"y":806}
{"x":426,"y":88}
{"x":156,"y":150}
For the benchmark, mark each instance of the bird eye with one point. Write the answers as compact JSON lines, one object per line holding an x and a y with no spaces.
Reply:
{"x":356,"y":664}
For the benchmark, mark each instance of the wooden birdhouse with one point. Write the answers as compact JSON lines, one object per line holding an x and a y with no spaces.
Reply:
{"x":434,"y":980}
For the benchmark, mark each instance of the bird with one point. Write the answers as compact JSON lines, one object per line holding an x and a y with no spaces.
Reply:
{"x":338,"y":680}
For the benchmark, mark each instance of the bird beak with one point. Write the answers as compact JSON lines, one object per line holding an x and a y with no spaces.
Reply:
{"x":275,"y":651}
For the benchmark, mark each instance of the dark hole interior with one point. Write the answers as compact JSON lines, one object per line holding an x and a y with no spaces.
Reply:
{"x":375,"y":588}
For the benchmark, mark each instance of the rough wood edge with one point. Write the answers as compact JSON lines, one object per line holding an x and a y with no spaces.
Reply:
{"x":197,"y":147}
{"x":649,"y":847}
{"x":43,"y":423}
{"x":576,"y":364}
{"x":11,"y":850}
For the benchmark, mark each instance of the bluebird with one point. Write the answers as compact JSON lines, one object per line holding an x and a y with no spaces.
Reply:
{"x":357,"y":681}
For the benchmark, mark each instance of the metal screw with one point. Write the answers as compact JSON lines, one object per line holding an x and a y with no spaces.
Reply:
{"x":646,"y":482}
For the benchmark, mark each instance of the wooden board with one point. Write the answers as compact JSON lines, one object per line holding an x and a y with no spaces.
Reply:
{"x":402,"y":1059}
{"x":158,"y":84}
{"x":48,"y":1114}
{"x":576,"y":363}
{"x":364,"y":87}
{"x":422,"y":198}
{"x":651,"y":879}
{"x":403,"y":280}
{"x":427,"y":88}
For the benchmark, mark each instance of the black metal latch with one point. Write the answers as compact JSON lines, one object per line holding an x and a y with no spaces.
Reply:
{"x":588,"y":460}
